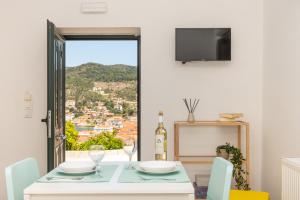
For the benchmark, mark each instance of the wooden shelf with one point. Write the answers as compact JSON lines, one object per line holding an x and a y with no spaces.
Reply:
{"x":211,"y":123}
{"x":192,"y":159}
{"x":197,"y":156}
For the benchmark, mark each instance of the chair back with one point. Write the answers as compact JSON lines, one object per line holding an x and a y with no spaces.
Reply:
{"x":220,"y":180}
{"x":19,"y":176}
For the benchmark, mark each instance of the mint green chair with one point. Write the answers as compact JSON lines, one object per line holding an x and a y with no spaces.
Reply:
{"x":220,"y":180}
{"x":20,"y":175}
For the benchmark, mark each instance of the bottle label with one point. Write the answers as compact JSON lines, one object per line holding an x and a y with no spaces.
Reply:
{"x":159,"y":144}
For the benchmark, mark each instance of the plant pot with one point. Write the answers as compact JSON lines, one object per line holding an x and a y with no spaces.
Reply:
{"x":223,"y":153}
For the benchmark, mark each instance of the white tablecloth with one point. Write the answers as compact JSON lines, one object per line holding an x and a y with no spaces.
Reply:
{"x":110,"y":190}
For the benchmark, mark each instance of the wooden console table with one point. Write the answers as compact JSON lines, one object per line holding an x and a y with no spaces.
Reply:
{"x":191,"y":159}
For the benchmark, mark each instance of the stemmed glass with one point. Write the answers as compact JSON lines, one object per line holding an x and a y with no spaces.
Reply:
{"x":96,"y":153}
{"x":129,"y":148}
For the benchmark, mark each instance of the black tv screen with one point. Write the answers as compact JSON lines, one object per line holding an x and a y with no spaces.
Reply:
{"x":203,"y":44}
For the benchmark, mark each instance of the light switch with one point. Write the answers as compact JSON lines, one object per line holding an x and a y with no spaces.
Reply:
{"x":28,"y":105}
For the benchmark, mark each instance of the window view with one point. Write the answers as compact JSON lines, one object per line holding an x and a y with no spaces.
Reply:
{"x":101,"y":97}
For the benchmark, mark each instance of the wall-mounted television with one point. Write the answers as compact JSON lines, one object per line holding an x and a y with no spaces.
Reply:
{"x":203,"y":44}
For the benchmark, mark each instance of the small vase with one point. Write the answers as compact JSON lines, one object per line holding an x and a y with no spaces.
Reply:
{"x":191,"y":117}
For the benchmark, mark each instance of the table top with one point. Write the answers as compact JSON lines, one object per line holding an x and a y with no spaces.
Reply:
{"x":111,"y":187}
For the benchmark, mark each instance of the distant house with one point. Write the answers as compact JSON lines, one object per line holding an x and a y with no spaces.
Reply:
{"x":118,"y":107}
{"x":70,"y":116}
{"x":98,"y":90}
{"x":132,"y":118}
{"x":116,"y":122}
{"x":129,"y":130}
{"x":70,"y":104}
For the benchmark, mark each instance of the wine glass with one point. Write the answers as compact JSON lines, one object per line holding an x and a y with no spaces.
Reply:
{"x":96,"y":153}
{"x":129,"y":148}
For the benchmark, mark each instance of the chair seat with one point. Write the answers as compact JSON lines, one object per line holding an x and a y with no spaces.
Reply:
{"x":248,"y":195}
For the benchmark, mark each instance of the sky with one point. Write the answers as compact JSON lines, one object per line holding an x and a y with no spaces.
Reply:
{"x":106,"y":52}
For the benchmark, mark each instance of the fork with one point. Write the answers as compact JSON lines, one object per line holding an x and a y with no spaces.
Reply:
{"x":64,"y":178}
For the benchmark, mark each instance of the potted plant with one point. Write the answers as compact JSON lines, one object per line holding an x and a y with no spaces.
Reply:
{"x":236,"y":158}
{"x":223,"y":151}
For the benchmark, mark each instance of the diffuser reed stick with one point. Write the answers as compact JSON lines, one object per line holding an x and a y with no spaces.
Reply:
{"x":191,"y":106}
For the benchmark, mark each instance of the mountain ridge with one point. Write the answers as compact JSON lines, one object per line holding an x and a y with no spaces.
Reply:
{"x":103,"y":73}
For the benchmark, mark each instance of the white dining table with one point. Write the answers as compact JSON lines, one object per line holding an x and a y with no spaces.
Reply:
{"x":112,"y":190}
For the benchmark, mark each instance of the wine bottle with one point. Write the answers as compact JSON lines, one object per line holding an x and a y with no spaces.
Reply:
{"x":160,"y":139}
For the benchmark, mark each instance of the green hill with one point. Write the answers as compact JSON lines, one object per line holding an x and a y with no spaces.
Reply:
{"x":102,"y":73}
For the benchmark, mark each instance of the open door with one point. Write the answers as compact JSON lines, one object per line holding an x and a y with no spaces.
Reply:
{"x":56,"y":97}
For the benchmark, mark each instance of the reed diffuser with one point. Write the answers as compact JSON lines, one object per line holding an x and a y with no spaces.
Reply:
{"x":191,"y":105}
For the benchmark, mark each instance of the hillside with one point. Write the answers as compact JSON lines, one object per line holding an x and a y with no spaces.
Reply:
{"x":115,"y":81}
{"x":102,"y":73}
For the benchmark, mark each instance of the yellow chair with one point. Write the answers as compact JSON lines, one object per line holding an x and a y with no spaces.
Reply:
{"x":248,"y":195}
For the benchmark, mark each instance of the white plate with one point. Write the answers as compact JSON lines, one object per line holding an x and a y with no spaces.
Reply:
{"x":157,"y":166}
{"x":76,"y":173}
{"x":75,"y":167}
{"x":137,"y":168}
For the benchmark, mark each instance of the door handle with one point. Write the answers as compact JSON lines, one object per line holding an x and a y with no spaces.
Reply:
{"x":47,"y":120}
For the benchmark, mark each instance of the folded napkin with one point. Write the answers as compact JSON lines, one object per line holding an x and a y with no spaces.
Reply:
{"x":134,"y":176}
{"x":107,"y":171}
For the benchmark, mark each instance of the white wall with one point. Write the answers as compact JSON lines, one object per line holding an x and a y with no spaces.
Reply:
{"x":281,"y":128}
{"x":234,"y":86}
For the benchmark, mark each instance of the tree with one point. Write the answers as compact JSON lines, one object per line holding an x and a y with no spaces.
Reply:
{"x":72,"y":136}
{"x":109,"y":104}
{"x":128,"y":93}
{"x":107,"y":139}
